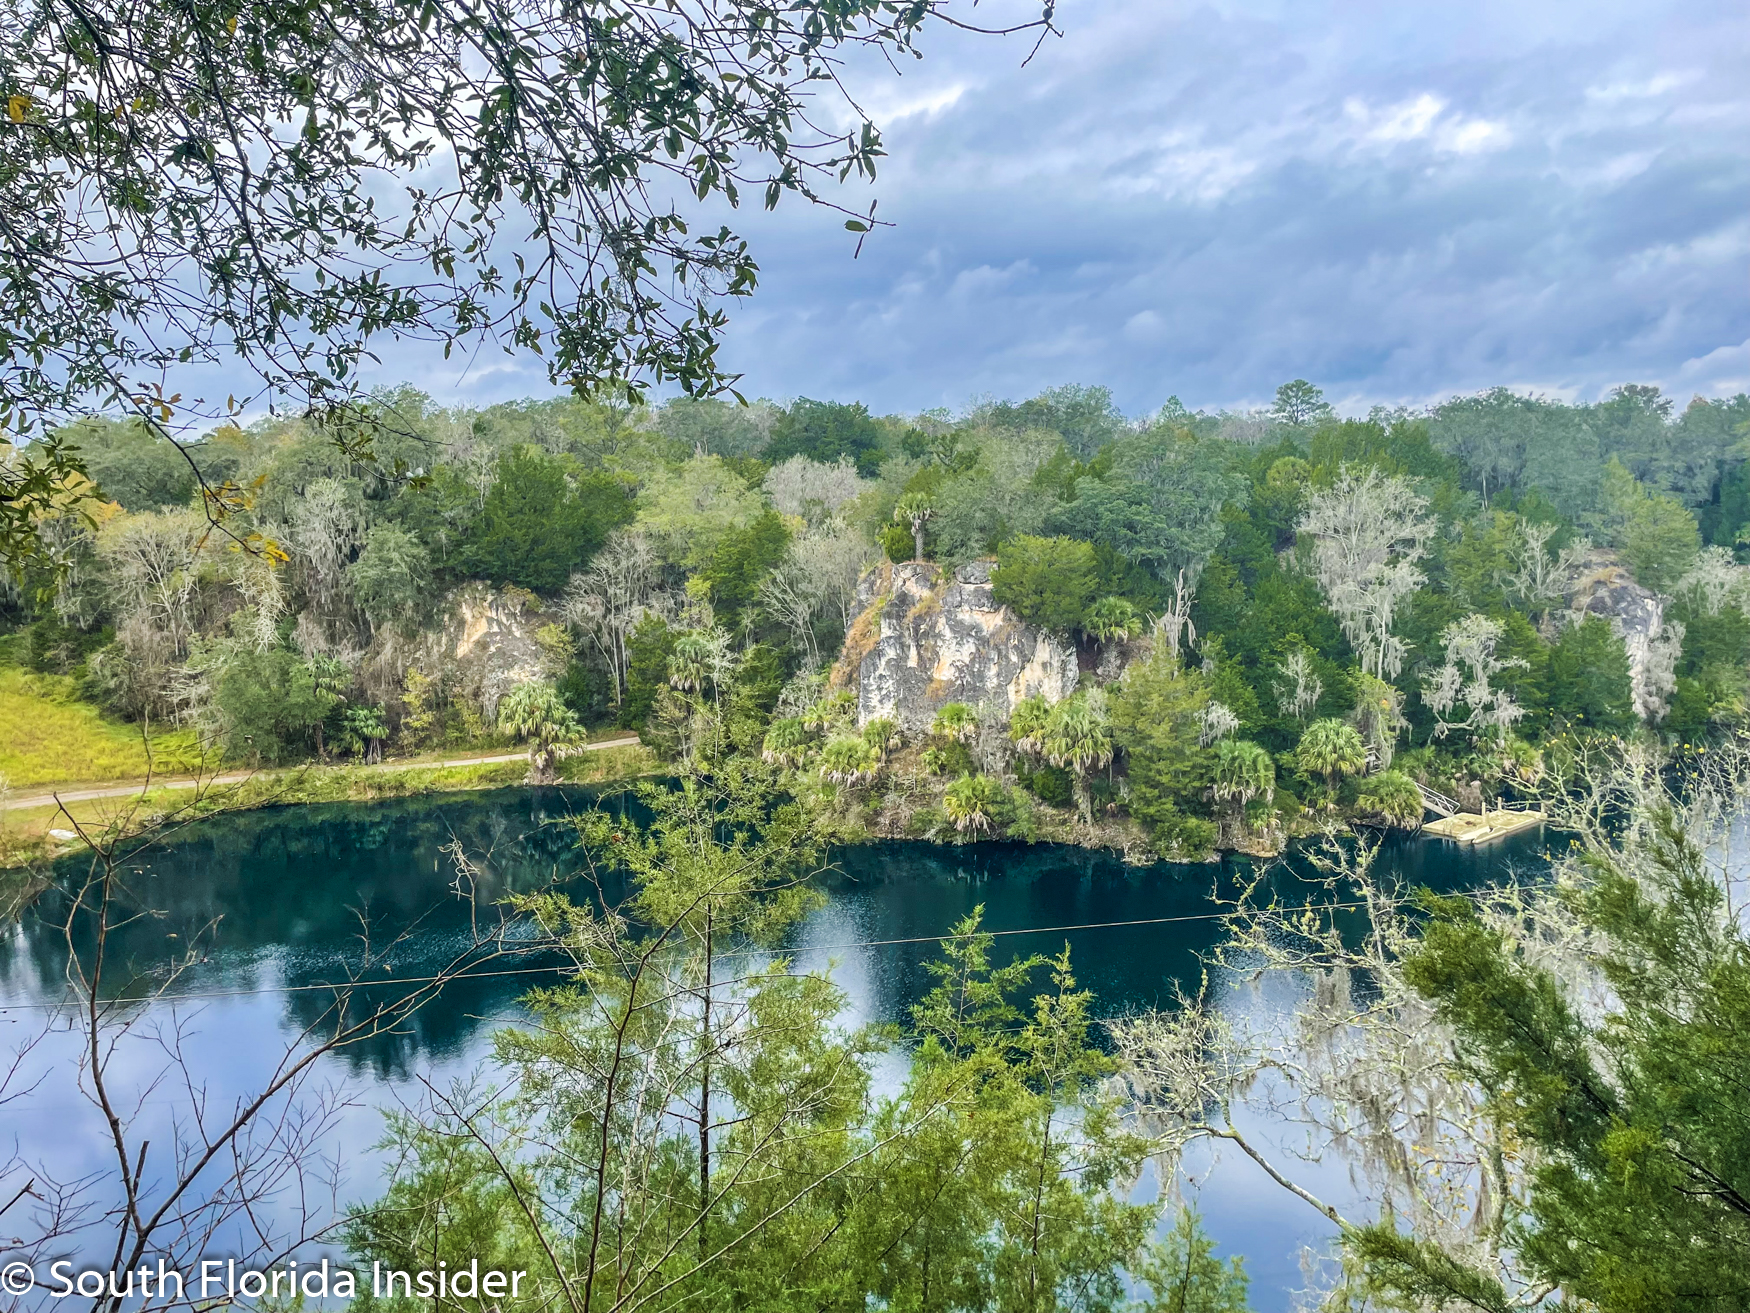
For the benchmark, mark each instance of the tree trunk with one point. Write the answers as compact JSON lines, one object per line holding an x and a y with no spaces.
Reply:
{"x":705,"y":1098}
{"x":917,"y":538}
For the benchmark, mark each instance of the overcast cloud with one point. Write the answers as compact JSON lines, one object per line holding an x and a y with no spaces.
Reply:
{"x":1396,"y":201}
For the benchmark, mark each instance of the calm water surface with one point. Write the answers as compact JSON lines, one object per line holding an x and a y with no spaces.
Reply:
{"x":283,"y":898}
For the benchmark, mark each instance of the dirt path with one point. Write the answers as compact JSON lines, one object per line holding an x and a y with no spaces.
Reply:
{"x":238,"y":777}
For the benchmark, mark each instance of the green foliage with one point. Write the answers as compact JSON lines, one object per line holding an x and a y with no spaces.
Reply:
{"x":541,"y":521}
{"x":881,"y":733}
{"x":1084,"y":417}
{"x":915,"y":510}
{"x":1156,"y":719}
{"x":950,"y":758}
{"x":1636,"y":1190}
{"x":1393,"y":797}
{"x":141,"y":468}
{"x":1399,"y":445}
{"x":587,"y":689}
{"x":994,"y":1177}
{"x":825,"y":430}
{"x":1160,"y":503}
{"x":832,"y":710}
{"x":1243,"y":771}
{"x":1047,"y":581}
{"x":1077,"y":735}
{"x":740,"y":562}
{"x":1027,"y":724}
{"x":849,"y":759}
{"x":648,"y":649}
{"x":367,"y":729}
{"x":1331,"y":750}
{"x":392,"y":577}
{"x":896,"y":541}
{"x":956,"y":722}
{"x":1589,"y":683}
{"x":1656,"y":533}
{"x":1183,"y":1275}
{"x":1111,"y":618}
{"x":271,"y":705}
{"x":971,"y":803}
{"x":787,"y":742}
{"x":1300,"y":405}
{"x":535,"y":713}
{"x":1052,"y":784}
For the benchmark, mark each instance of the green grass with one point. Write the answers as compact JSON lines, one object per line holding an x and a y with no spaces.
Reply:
{"x":24,"y":837}
{"x":51,"y":737}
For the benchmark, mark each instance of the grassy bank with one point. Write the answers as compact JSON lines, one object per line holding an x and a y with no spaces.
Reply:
{"x":52,"y":736}
{"x":25,"y":837}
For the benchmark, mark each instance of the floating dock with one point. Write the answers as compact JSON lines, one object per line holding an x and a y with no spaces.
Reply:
{"x":1468,"y":827}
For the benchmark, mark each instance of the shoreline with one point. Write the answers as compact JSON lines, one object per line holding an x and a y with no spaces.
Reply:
{"x":34,"y":830}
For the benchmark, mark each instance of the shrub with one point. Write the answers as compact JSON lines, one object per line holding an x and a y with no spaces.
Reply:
{"x":1393,"y":797}
{"x":955,"y":722}
{"x":972,"y":802}
{"x":1027,"y":725}
{"x":787,"y":742}
{"x":1110,"y":618}
{"x":831,"y":709}
{"x":881,"y":733}
{"x":1052,"y":784}
{"x":1179,"y":837}
{"x":848,"y":759}
{"x":1047,"y":581}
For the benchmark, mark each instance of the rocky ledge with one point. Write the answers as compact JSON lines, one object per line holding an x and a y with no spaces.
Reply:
{"x":921,"y":641}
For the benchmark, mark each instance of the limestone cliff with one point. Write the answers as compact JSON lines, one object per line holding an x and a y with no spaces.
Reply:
{"x":920,"y":641}
{"x":1602,"y":587}
{"x":490,"y":637}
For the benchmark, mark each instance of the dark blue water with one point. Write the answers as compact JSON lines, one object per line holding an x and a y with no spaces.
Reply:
{"x":264,"y":904}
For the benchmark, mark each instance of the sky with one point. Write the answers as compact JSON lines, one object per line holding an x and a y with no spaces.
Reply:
{"x":1396,"y":201}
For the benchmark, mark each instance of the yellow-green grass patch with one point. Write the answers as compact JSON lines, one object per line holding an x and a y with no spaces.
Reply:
{"x":49,"y":736}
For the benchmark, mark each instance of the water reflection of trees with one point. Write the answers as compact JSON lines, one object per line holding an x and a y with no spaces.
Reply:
{"x":288,"y":898}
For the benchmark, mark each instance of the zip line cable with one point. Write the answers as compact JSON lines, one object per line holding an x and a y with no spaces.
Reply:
{"x":745,"y":952}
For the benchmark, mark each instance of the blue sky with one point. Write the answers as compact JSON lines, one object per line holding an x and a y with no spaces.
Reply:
{"x":1397,"y":201}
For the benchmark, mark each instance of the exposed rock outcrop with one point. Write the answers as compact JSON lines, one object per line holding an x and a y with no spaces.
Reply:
{"x":1602,"y":587}
{"x":920,"y":641}
{"x":491,"y":638}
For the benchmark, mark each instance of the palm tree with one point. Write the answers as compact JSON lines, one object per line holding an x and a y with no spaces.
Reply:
{"x":536,"y":712}
{"x":1110,"y":618}
{"x":881,"y":733}
{"x":830,"y":710}
{"x":1243,"y":771}
{"x":1394,"y":798}
{"x":786,"y":742}
{"x":1333,"y":749}
{"x":917,"y":510}
{"x":686,"y":663}
{"x":1027,"y":725}
{"x":848,"y":759}
{"x":367,"y":724}
{"x":955,"y":721}
{"x":1078,"y":738}
{"x":971,"y":801}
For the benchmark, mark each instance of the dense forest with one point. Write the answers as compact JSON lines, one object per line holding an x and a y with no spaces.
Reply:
{"x":1305,"y":611}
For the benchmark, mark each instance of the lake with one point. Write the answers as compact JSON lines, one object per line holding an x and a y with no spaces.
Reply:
{"x":282,"y":899}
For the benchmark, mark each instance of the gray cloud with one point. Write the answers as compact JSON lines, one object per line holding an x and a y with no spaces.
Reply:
{"x":1206,"y":199}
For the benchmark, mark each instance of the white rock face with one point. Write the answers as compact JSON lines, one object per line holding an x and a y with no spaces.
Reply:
{"x":920,"y":642}
{"x":491,"y":637}
{"x":1637,"y":614}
